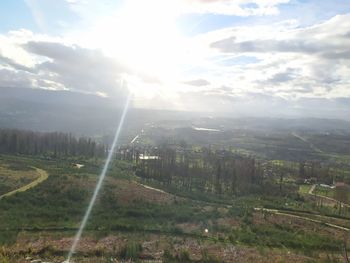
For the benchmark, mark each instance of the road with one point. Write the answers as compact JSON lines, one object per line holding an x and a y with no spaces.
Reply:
{"x":43,"y":175}
{"x":312,"y":189}
{"x":326,"y":197}
{"x":275,"y":211}
{"x":312,"y":146}
{"x":151,"y":188}
{"x":133,"y":140}
{"x":281,"y":212}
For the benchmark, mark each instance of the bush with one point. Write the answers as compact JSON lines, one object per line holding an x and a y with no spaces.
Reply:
{"x":131,"y":251}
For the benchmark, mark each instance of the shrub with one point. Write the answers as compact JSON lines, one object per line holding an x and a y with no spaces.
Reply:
{"x":131,"y":251}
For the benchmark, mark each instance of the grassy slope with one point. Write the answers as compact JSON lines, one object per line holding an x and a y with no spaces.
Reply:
{"x":42,"y":176}
{"x":58,"y":204}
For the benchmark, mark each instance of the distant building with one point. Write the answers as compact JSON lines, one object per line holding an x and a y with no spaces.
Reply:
{"x":77,"y":165}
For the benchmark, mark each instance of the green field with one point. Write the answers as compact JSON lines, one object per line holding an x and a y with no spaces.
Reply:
{"x":136,"y":216}
{"x":304,"y":189}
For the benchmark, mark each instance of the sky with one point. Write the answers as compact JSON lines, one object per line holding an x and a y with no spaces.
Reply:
{"x":245,"y":57}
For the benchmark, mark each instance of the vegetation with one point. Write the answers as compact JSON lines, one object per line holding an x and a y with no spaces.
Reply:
{"x":175,"y":202}
{"x":51,"y":144}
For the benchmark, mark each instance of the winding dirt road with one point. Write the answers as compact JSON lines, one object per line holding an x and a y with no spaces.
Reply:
{"x":280,"y":212}
{"x":311,"y":192}
{"x":43,"y":175}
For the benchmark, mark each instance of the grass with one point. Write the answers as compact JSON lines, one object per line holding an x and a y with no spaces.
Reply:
{"x":340,"y":158}
{"x":324,"y":191}
{"x":42,"y":177}
{"x":339,"y":193}
{"x":131,"y":251}
{"x":14,"y":176}
{"x":59,"y":202}
{"x":304,"y":188}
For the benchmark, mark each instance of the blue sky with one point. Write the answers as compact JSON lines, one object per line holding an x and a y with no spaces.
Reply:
{"x":307,"y":12}
{"x":182,"y":52}
{"x":14,"y":15}
{"x":58,"y":14}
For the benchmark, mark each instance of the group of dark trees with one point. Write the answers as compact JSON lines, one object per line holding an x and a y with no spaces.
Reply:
{"x":222,"y":171}
{"x":53,"y":144}
{"x":204,"y":170}
{"x":316,"y":171}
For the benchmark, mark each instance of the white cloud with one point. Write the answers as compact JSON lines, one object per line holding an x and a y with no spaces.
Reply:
{"x":238,"y":7}
{"x":36,"y":61}
{"x":229,"y":69}
{"x":291,"y":62}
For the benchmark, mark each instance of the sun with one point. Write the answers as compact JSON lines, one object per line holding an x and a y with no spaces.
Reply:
{"x":144,"y":36}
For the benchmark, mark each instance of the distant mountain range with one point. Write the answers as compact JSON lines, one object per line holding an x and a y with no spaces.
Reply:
{"x":84,"y":114}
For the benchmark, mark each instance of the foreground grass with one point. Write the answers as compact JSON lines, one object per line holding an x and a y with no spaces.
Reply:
{"x":58,"y":203}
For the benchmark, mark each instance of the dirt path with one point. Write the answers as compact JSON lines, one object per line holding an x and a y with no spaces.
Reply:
{"x":43,"y":175}
{"x":279,"y":212}
{"x":275,"y":211}
{"x":313,"y":187}
{"x":154,"y":189}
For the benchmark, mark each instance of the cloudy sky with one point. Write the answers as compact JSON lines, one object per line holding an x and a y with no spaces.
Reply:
{"x":240,"y":56}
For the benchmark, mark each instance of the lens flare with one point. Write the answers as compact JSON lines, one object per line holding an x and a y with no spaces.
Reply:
{"x":99,"y":183}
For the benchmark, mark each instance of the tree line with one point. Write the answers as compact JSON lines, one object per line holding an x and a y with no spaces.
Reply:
{"x":54,"y":144}
{"x":204,"y":170}
{"x":222,"y":171}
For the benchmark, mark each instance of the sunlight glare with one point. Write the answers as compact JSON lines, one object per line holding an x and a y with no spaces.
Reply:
{"x":144,"y":36}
